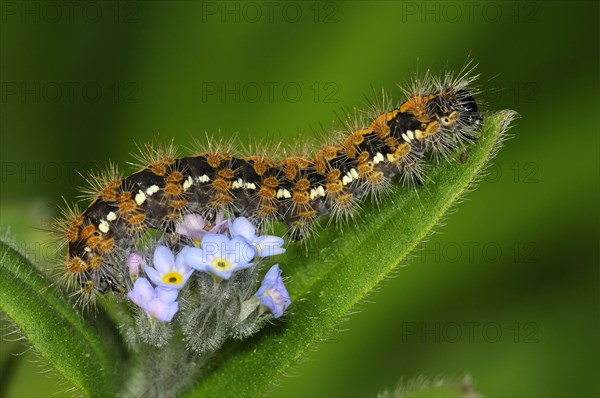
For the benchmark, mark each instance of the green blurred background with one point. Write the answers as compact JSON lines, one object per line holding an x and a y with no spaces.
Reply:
{"x":507,"y":291}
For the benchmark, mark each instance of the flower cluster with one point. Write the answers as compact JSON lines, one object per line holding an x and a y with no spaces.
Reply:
{"x":226,"y":251}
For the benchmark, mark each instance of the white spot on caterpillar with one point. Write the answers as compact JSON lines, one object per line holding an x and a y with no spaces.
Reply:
{"x":405,"y":137}
{"x":237,"y":184}
{"x":350,"y":176}
{"x":140,"y":198}
{"x":418,"y":134}
{"x":250,"y":185}
{"x":317,"y":192}
{"x":152,"y":189}
{"x":103,"y":226}
{"x":283,"y":193}
{"x":378,"y":158}
{"x":410,"y":135}
{"x":111,"y":216}
{"x":188,"y":183}
{"x":87,"y":249}
{"x":203,"y":178}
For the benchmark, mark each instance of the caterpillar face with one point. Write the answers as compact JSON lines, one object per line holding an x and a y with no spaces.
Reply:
{"x":390,"y":145}
{"x":455,"y":112}
{"x":469,"y":110}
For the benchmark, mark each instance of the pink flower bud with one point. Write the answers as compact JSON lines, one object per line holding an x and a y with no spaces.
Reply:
{"x":134,"y":261}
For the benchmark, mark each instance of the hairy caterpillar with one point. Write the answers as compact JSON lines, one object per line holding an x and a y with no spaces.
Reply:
{"x":438,"y":115}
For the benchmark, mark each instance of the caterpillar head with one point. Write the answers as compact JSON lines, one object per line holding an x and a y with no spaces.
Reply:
{"x":455,"y":112}
{"x":470,"y":114}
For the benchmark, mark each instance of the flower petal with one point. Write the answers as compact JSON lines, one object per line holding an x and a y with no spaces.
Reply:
{"x":213,"y":245}
{"x":192,"y":226}
{"x":180,"y":262}
{"x":243,"y":227}
{"x":164,"y":261}
{"x":240,"y":266}
{"x":221,"y":225}
{"x":268,"y":245}
{"x":187,"y":276}
{"x":276,"y":310}
{"x":166,"y":294}
{"x":240,"y":251}
{"x":223,"y":274}
{"x":142,"y":292}
{"x":269,"y":280}
{"x":196,"y":259}
{"x":162,"y":311}
{"x":153,"y":274}
{"x":273,"y":293}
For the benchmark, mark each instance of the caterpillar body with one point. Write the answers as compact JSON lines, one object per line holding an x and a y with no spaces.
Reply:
{"x":439,"y":115}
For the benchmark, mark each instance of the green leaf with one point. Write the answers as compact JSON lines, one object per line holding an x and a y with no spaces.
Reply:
{"x":332,"y":273}
{"x":52,"y":327}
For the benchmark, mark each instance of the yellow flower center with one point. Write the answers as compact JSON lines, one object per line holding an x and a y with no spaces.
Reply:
{"x":221,"y":264}
{"x":174,"y":278}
